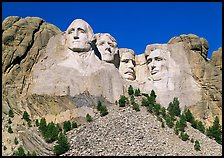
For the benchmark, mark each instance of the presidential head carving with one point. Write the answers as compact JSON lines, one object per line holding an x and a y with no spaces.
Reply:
{"x":107,"y":46}
{"x":127,"y":63}
{"x":79,"y":35}
{"x":157,"y":62}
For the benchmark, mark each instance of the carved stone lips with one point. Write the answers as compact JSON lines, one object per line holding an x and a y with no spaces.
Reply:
{"x":130,"y":72}
{"x":154,"y":72}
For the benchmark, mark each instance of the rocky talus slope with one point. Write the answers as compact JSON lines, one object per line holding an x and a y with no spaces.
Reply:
{"x":126,"y":132}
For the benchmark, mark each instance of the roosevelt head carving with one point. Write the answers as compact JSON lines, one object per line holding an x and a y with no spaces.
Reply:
{"x":78,"y":36}
{"x":157,"y":61}
{"x":127,"y":63}
{"x":107,"y":46}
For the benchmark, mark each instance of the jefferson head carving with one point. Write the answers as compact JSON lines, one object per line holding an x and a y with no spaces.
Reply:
{"x":127,"y":63}
{"x":157,"y":61}
{"x":107,"y":46}
{"x":78,"y":36}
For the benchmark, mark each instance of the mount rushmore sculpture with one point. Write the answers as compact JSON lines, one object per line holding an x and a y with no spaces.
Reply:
{"x":55,"y":63}
{"x":79,"y":60}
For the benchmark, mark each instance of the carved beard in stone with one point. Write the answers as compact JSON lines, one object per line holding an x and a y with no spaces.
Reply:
{"x":78,"y":36}
{"x":158,"y":64}
{"x":127,"y":65}
{"x":107,"y":47}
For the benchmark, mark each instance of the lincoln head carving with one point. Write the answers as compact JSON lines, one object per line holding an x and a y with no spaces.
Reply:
{"x":127,"y":63}
{"x":79,"y":35}
{"x":157,"y":61}
{"x":107,"y":46}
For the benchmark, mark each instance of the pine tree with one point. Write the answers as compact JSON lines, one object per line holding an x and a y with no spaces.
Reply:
{"x":74,"y":125}
{"x":156,"y":109}
{"x":16,"y":141}
{"x":10,"y":129}
{"x":122,"y":101}
{"x":135,"y":107}
{"x":200,"y":126}
{"x":132,"y":100}
{"x":169,"y":122}
{"x":20,"y":152}
{"x":184,"y":136}
{"x":9,"y":121}
{"x":99,"y":105}
{"x":67,"y":126}
{"x":26,"y":116}
{"x":11,"y":114}
{"x":51,"y":133}
{"x":62,"y":145}
{"x":197,"y":146}
{"x":130,"y":90}
{"x":174,"y":108}
{"x":137,"y":92}
{"x":188,"y":115}
{"x":163,"y":112}
{"x":37,"y":122}
{"x":145,"y":102}
{"x":43,"y":125}
{"x":103,"y":111}
{"x":88,"y":118}
{"x":215,"y":131}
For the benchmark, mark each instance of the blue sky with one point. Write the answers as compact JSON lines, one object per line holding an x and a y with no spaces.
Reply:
{"x":133,"y":24}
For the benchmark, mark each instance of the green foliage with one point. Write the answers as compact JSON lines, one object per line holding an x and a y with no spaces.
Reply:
{"x":74,"y":125}
{"x":11,"y":114}
{"x":29,"y":123}
{"x":9,"y":121}
{"x":181,"y":124}
{"x":215,"y":131}
{"x":137,"y":92}
{"x":145,"y":102}
{"x":67,"y":126}
{"x":188,"y":115}
{"x":51,"y":133}
{"x":26,"y":116}
{"x":176,"y":131}
{"x":99,"y":105}
{"x":184,"y":136}
{"x":132,"y":100}
{"x":89,"y":118}
{"x":145,"y":94}
{"x":156,"y":109}
{"x":43,"y":125}
{"x":153,"y":94}
{"x":103,"y":111}
{"x":37,"y":122}
{"x":20,"y":152}
{"x":32,"y":154}
{"x":62,"y":145}
{"x":169,"y":122}
{"x":162,"y":125}
{"x":135,"y":107}
{"x":10,"y":129}
{"x":194,"y":123}
{"x":16,"y":141}
{"x":150,"y":108}
{"x":4,"y":147}
{"x":197,"y":146}
{"x":130,"y":90}
{"x":163,"y":112}
{"x":59,"y":127}
{"x":200,"y":126}
{"x":174,"y":108}
{"x":122,"y":101}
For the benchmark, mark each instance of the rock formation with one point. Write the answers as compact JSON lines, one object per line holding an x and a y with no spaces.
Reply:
{"x":61,"y":75}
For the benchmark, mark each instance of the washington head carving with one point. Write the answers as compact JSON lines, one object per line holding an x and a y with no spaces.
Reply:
{"x":157,"y":61}
{"x":79,"y":35}
{"x":127,"y":63}
{"x":107,"y":46}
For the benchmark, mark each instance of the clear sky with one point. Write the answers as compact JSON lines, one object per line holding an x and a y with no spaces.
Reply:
{"x":133,"y":24}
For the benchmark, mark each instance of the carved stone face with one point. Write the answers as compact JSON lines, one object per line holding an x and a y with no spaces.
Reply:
{"x":127,"y":63}
{"x":79,"y":35}
{"x":107,"y":46}
{"x":157,"y":64}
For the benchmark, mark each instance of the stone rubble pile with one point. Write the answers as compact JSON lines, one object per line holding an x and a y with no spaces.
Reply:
{"x":125,"y":132}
